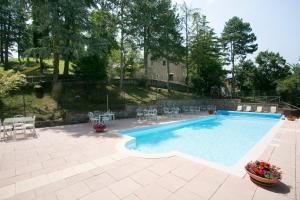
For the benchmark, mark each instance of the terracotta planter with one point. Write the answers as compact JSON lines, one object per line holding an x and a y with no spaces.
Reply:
{"x":99,"y":130}
{"x":210,"y":112}
{"x":261,"y":180}
{"x":291,"y":118}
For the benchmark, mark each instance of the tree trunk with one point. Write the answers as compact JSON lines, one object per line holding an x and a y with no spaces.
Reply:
{"x":67,"y":59}
{"x":168,"y":75}
{"x":6,"y":52}
{"x":42,"y":66}
{"x":55,"y":59}
{"x":232,"y":72}
{"x":19,"y":53}
{"x":186,"y":48}
{"x":122,"y":49}
{"x":55,"y":66}
{"x":122,"y":63}
{"x":1,"y":51}
{"x":146,"y":53}
{"x":1,"y":44}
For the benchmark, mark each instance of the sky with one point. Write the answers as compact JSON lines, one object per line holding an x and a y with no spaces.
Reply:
{"x":276,"y":23}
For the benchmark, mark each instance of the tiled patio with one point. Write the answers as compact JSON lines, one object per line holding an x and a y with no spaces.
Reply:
{"x":73,"y":162}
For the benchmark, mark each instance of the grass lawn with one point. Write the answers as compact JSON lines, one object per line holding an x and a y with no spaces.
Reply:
{"x":32,"y":68}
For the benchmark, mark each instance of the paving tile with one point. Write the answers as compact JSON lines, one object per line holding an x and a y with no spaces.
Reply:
{"x":206,"y":183}
{"x":119,"y":173}
{"x":103,"y":161}
{"x":188,"y":171}
{"x":144,"y":177}
{"x":50,"y":196}
{"x":78,"y":177}
{"x":32,"y":183}
{"x":104,"y":194}
{"x":161,"y":169}
{"x":124,"y":187}
{"x":7,"y":173}
{"x":262,"y":194}
{"x":84,"y":167}
{"x":183,"y":194}
{"x":30,"y":195}
{"x":152,"y":192}
{"x":54,"y":163}
{"x":171,"y":182}
{"x":61,"y":174}
{"x":73,"y":192}
{"x":228,"y":190}
{"x":50,"y":188}
{"x":7,"y":191}
{"x":131,"y":197}
{"x":100,"y":181}
{"x":28,"y":168}
{"x":14,"y":179}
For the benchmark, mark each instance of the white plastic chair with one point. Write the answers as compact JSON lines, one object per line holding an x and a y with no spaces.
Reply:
{"x":93,"y":119}
{"x":31,"y":127}
{"x":273,"y":109}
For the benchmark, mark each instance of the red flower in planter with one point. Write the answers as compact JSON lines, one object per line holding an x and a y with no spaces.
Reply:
{"x":264,"y":170}
{"x":99,"y":127}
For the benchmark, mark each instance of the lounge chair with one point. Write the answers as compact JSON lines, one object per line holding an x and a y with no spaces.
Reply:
{"x":259,"y":109}
{"x":248,"y":109}
{"x":273,"y":109}
{"x":239,"y":108}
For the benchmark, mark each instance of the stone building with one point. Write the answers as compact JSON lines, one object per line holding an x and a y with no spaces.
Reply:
{"x":157,"y":70}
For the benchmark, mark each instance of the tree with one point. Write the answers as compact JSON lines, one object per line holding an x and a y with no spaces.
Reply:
{"x":168,"y":37}
{"x":206,"y":58}
{"x":7,"y":14}
{"x":10,"y":81}
{"x":99,"y":42}
{"x":238,"y":41}
{"x":186,"y":20}
{"x":289,"y":88}
{"x":64,"y":21}
{"x":272,"y":67}
{"x":246,"y":73}
{"x":144,"y":15}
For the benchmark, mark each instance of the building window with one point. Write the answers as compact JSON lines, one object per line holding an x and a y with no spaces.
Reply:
{"x":164,"y":63}
{"x":171,"y":77}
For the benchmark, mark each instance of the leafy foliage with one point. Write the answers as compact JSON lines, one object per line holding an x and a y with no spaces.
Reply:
{"x":289,"y":88}
{"x":238,"y":41}
{"x":10,"y":81}
{"x":272,"y":67}
{"x":91,"y":67}
{"x":206,"y":59}
{"x":246,"y":75}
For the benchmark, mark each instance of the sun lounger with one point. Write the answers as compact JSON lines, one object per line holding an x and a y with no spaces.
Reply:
{"x":273,"y":109}
{"x":259,"y":109}
{"x":248,"y":109}
{"x":239,"y":108}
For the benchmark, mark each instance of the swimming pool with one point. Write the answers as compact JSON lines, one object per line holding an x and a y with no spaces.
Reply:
{"x":222,"y":139}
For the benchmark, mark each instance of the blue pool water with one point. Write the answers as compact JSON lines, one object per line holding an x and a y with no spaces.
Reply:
{"x":223,"y":138}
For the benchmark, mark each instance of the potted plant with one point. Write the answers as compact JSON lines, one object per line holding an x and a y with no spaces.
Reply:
{"x":263,"y":173}
{"x":291,"y":117}
{"x":210,"y":112}
{"x":99,"y":127}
